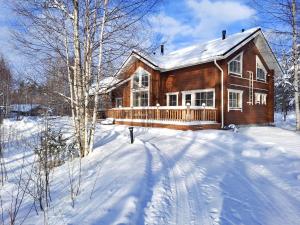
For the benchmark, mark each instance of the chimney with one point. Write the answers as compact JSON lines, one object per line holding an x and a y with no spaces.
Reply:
{"x":223,"y":34}
{"x":243,"y":30}
{"x":162,"y":49}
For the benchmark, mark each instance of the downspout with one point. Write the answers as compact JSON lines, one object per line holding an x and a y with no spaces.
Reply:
{"x":222,"y":92}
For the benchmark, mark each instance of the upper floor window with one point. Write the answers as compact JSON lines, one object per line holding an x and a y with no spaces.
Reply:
{"x":140,"y":79}
{"x":235,"y":66}
{"x":261,"y":72}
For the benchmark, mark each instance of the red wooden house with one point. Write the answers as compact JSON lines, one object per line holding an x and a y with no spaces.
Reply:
{"x":225,"y":81}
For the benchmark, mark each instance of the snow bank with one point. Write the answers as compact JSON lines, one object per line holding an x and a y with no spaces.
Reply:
{"x":173,"y":177}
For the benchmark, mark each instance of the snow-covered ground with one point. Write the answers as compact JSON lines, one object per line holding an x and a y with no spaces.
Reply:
{"x":172,"y":177}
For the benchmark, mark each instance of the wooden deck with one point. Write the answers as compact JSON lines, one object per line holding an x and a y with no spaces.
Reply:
{"x":182,"y":118}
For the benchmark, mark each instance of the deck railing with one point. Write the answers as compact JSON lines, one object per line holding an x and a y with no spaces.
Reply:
{"x":164,"y":113}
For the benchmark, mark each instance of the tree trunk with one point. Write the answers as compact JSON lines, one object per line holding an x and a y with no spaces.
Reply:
{"x":296,"y":66}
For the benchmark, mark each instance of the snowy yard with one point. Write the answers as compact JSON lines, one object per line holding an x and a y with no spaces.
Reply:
{"x":172,"y":177}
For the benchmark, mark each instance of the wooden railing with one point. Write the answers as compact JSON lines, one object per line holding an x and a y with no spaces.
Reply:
{"x":183,"y":114}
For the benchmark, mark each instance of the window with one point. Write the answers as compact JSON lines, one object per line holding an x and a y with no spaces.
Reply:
{"x":188,"y":99}
{"x":119,"y":102}
{"x":235,"y":65}
{"x":206,"y":98}
{"x":145,"y":80}
{"x":136,"y":99}
{"x":235,"y":99}
{"x":172,"y":99}
{"x":198,"y":97}
{"x":144,"y":98}
{"x":260,"y":70}
{"x":260,"y":98}
{"x":140,"y":88}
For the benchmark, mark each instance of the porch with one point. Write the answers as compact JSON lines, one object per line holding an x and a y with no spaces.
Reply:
{"x":177,"y":117}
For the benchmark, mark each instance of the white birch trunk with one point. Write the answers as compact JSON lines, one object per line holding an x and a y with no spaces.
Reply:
{"x":97,"y":88}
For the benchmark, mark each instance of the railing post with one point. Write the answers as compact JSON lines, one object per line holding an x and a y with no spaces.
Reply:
{"x":188,"y":112}
{"x":131,"y":112}
{"x":204,"y":116}
{"x":157,"y":111}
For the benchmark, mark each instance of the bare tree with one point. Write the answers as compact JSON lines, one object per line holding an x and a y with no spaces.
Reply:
{"x":87,"y":35}
{"x":282,"y":17}
{"x":5,"y":86}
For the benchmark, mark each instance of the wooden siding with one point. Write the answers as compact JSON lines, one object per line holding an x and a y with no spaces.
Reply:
{"x":256,"y":113}
{"x":206,"y":76}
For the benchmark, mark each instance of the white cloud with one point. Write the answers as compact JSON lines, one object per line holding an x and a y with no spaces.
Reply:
{"x":168,"y":26}
{"x":220,"y":11}
{"x":206,"y":19}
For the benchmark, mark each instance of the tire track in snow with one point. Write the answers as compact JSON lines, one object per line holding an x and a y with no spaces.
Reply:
{"x":190,"y":186}
{"x":181,"y":211}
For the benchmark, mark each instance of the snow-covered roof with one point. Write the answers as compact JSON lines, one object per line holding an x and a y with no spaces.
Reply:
{"x":105,"y":84}
{"x":203,"y":52}
{"x":206,"y":52}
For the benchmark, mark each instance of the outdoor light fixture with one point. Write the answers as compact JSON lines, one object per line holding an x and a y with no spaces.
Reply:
{"x":131,"y":134}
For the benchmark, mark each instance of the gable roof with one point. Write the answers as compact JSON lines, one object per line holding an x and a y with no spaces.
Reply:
{"x":204,"y":52}
{"x":207,"y":52}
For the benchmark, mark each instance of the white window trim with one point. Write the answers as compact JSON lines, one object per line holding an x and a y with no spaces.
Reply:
{"x":193,"y":97}
{"x":238,"y":74}
{"x":172,"y":93}
{"x":118,"y":99}
{"x":261,"y":96}
{"x":261,"y":66}
{"x":139,"y":71}
{"x":241,"y":100}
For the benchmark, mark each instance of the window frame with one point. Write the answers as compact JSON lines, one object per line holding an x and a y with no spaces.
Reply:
{"x":240,"y":100}
{"x":193,"y":97}
{"x":116,"y":101}
{"x":262,"y":98}
{"x":168,"y":97}
{"x":140,"y":72}
{"x":240,"y":74}
{"x":260,"y":65}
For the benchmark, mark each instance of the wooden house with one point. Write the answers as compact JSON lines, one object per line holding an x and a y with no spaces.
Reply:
{"x":229,"y":80}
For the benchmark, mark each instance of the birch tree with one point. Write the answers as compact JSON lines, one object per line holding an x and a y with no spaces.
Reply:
{"x":87,"y":35}
{"x":282,"y":18}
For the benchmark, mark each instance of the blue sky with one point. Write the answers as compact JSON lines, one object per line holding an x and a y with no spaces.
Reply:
{"x":179,"y":23}
{"x":186,"y":22}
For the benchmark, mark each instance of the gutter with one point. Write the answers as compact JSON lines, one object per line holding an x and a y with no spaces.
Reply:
{"x":222,"y":92}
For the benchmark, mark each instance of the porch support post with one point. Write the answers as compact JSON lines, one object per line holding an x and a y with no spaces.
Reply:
{"x":157,"y":111}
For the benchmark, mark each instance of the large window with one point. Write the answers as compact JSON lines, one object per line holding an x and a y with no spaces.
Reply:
{"x":199,"y":97}
{"x":172,"y":99}
{"x":260,"y":70}
{"x":236,"y":64}
{"x":205,"y":99}
{"x":140,"y":88}
{"x":235,"y":99}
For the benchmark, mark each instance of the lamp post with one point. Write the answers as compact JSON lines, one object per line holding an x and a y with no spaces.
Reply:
{"x":131,"y":134}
